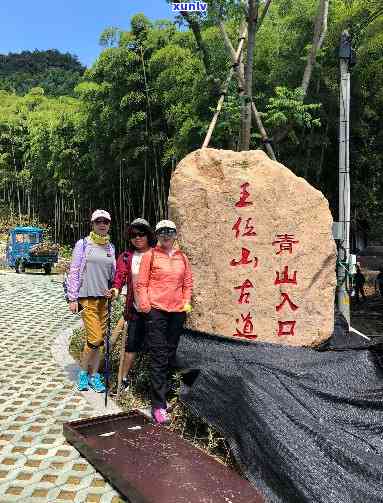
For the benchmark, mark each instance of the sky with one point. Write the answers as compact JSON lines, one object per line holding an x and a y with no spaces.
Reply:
{"x":69,"y":25}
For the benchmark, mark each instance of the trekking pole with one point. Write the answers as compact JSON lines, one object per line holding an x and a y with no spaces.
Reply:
{"x":107,"y":340}
{"x":122,"y":358}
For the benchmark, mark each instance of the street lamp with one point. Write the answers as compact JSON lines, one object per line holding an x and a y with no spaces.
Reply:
{"x":346,"y":58}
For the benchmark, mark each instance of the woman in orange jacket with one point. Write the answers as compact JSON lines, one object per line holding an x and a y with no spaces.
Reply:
{"x":163,"y":290}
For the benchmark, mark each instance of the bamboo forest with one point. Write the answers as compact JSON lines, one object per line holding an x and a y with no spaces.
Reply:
{"x":75,"y":138}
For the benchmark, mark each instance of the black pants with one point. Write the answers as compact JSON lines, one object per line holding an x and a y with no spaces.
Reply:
{"x":135,"y":342}
{"x":163,"y":334}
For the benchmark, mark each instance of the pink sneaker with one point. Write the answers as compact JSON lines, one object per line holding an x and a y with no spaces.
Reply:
{"x":160,"y":416}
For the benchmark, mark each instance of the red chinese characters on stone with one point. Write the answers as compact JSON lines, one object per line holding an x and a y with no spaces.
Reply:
{"x":244,"y":196}
{"x":248,"y":327}
{"x":243,"y":227}
{"x":285,"y":277}
{"x":286,"y":328}
{"x":287,"y":299}
{"x":285,"y":242}
{"x":244,"y":296}
{"x":249,"y":229}
{"x":245,"y":259}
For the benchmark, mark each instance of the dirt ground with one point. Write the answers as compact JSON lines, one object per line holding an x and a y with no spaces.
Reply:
{"x":367,"y":317}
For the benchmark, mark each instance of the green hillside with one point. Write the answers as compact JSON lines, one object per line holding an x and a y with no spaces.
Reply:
{"x":55,"y":72}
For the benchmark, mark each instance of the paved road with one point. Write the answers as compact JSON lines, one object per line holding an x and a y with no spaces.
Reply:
{"x":36,"y":398}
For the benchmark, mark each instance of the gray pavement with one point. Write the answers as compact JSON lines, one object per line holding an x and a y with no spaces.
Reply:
{"x":37,"y":395}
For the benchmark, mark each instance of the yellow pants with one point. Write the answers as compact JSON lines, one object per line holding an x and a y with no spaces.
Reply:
{"x":94,"y":315}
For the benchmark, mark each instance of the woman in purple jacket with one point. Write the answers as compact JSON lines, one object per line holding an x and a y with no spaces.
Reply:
{"x":90,"y":276}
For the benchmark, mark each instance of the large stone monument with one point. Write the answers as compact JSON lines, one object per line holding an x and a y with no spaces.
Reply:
{"x":260,"y":243}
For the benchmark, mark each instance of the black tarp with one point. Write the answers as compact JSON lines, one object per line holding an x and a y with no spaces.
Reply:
{"x":305,"y":425}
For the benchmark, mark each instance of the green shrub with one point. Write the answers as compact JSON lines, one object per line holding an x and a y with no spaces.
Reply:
{"x":66,"y":251}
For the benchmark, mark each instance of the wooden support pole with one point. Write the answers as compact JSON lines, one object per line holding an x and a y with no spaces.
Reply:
{"x":241,"y":83}
{"x":236,"y":67}
{"x":224,"y":89}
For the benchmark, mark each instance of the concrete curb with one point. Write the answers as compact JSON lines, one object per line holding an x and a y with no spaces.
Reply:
{"x":62,"y":357}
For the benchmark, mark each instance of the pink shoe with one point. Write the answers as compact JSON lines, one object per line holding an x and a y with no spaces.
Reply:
{"x":160,"y":416}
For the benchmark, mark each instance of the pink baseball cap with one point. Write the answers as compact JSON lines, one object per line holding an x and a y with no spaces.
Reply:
{"x":100,"y":214}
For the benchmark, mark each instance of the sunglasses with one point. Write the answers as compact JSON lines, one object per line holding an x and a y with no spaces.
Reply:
{"x":102,"y":221}
{"x":166,"y":233}
{"x":137,"y":235}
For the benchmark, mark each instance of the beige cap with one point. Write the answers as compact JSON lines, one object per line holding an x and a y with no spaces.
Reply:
{"x":100,"y":214}
{"x":166,"y":224}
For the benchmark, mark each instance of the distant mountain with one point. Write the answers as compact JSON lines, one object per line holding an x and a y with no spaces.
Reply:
{"x":55,"y":72}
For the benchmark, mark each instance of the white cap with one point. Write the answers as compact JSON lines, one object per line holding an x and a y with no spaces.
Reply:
{"x":166,"y":224}
{"x":100,"y":214}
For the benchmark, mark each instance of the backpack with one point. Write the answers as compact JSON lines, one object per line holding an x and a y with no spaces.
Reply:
{"x":66,"y":275}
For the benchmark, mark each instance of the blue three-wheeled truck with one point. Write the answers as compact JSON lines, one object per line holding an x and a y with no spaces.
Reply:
{"x":25,"y":249}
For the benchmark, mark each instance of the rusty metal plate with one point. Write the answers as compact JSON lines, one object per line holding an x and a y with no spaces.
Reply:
{"x":151,"y":464}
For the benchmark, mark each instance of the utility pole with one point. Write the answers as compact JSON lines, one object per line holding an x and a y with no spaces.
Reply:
{"x":345,"y":56}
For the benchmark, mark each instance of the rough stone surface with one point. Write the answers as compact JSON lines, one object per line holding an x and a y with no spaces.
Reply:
{"x":205,"y":188}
